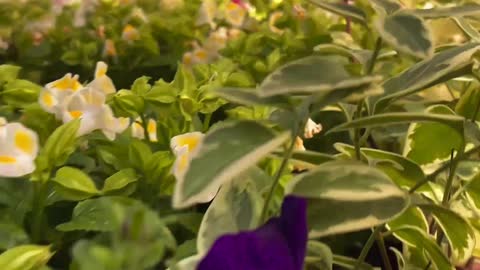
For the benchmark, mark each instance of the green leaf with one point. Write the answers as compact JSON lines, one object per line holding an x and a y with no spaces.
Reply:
{"x":59,"y":146}
{"x":349,"y":263}
{"x":365,"y":195}
{"x":467,"y":28}
{"x":227,"y":150}
{"x":8,"y":73}
{"x":74,"y":184}
{"x":473,"y":190}
{"x":189,"y":263}
{"x":313,"y":75}
{"x":161,"y":93}
{"x":468,"y":103}
{"x":458,"y":231}
{"x":139,"y":154}
{"x":141,"y":86}
{"x":129,"y":104}
{"x":248,"y":96}
{"x":319,"y":256}
{"x":428,"y":142}
{"x":361,"y":56}
{"x":342,"y":9}
{"x":401,"y":118}
{"x":236,"y":208}
{"x":413,"y":217}
{"x":119,"y":180}
{"x":407,"y":33}
{"x":26,"y":257}
{"x":389,"y":6}
{"x":440,"y":12}
{"x":425,"y":242}
{"x":20,"y":93}
{"x":441,"y":67}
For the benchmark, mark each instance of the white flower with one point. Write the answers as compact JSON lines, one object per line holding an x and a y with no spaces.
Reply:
{"x":235,"y":14}
{"x":311,"y":128}
{"x":18,"y":150}
{"x":171,"y":4}
{"x":217,"y":40}
{"x":207,"y":13}
{"x":139,"y":132}
{"x":184,"y":147}
{"x":102,"y":82}
{"x":110,"y":125}
{"x":53,"y":96}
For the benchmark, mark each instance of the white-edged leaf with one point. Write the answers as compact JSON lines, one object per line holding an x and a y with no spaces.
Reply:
{"x":342,"y":9}
{"x":441,"y":67}
{"x":407,"y":33}
{"x":25,"y":257}
{"x":389,"y":6}
{"x":441,"y":12}
{"x":467,"y":28}
{"x":413,"y":217}
{"x":346,"y":196}
{"x":248,"y":96}
{"x":458,"y":231}
{"x":319,"y":256}
{"x":226,"y":151}
{"x":313,"y":75}
{"x":236,"y":207}
{"x":189,"y":263}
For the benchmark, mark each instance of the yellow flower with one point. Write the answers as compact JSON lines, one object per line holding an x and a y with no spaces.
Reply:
{"x":235,"y":14}
{"x":18,"y":150}
{"x":102,"y":82}
{"x":139,"y":132}
{"x":53,"y":96}
{"x":130,"y":33}
{"x":184,"y":147}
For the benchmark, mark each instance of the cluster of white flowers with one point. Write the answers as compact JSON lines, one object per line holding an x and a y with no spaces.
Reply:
{"x":235,"y":13}
{"x":68,"y":99}
{"x":18,"y":149}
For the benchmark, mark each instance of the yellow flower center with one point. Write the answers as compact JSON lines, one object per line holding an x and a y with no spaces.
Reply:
{"x":7,"y":159}
{"x":76,"y":114}
{"x":47,"y":99}
{"x":152,"y":127}
{"x":192,"y":142}
{"x":24,"y":142}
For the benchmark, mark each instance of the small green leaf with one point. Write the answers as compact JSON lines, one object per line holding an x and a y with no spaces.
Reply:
{"x":413,"y":217}
{"x":227,"y":150}
{"x":128,"y":104}
{"x":26,"y":257}
{"x":366,"y":196}
{"x":236,"y":207}
{"x":20,"y":93}
{"x":161,"y":93}
{"x":8,"y":73}
{"x":313,"y":75}
{"x":401,"y":118}
{"x":307,"y":159}
{"x":342,"y":9}
{"x":407,"y":33}
{"x":429,"y":142}
{"x":440,"y":12}
{"x":141,"y":86}
{"x":139,"y":154}
{"x":441,"y":67}
{"x":350,"y":263}
{"x":458,"y":231}
{"x":468,"y":103}
{"x":422,"y":241}
{"x":467,"y":28}
{"x":74,"y":184}
{"x":119,"y":180}
{"x":389,"y":6}
{"x":473,"y":190}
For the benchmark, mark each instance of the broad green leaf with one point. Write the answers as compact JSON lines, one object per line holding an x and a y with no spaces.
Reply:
{"x":59,"y":146}
{"x":403,"y":171}
{"x":20,"y":93}
{"x":119,"y":180}
{"x":407,"y":33}
{"x":128,"y":104}
{"x":236,"y":207}
{"x":389,"y":6}
{"x":161,"y":93}
{"x":467,"y":28}
{"x":441,"y":67}
{"x":319,"y":256}
{"x":342,"y":9}
{"x":422,"y":241}
{"x":428,"y":142}
{"x":413,"y":217}
{"x":458,"y":231}
{"x":473,"y":190}
{"x":11,"y":233}
{"x":349,"y":263}
{"x":361,"y":56}
{"x":313,"y":75}
{"x":468,"y":103}
{"x":139,"y":154}
{"x":226,"y":151}
{"x":307,"y":159}
{"x":365,"y":195}
{"x":74,"y":184}
{"x":8,"y":73}
{"x":401,"y":118}
{"x":26,"y":257}
{"x":141,"y":86}
{"x":248,"y":96}
{"x":440,"y":12}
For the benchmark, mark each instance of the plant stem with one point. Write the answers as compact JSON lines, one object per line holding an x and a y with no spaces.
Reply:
{"x":373,"y":59}
{"x":383,"y":251}
{"x":38,"y":211}
{"x":366,"y":248}
{"x":145,"y":127}
{"x":206,"y":121}
{"x":451,"y":176}
{"x":356,"y":138}
{"x":279,"y":173}
{"x":444,"y":167}
{"x":477,"y":108}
